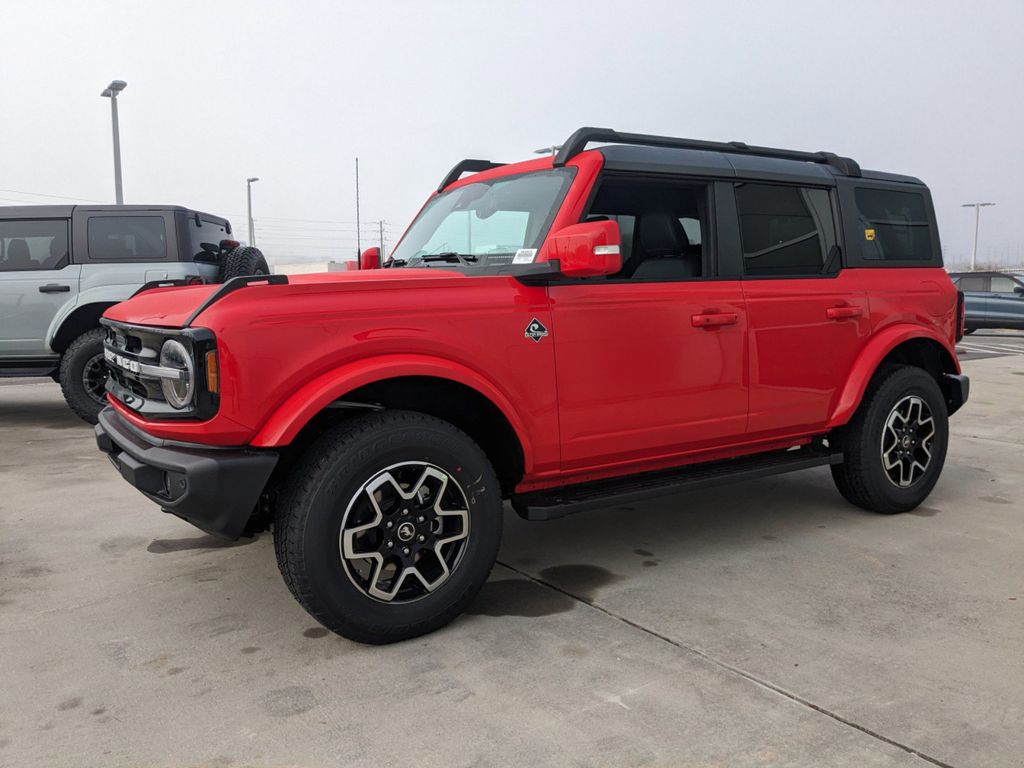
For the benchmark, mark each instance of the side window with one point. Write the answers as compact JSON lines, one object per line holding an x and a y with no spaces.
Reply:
{"x":1001,"y":284}
{"x":127,"y":238}
{"x":893,"y":225}
{"x":33,"y":244}
{"x":973,"y":284}
{"x":205,"y":233}
{"x":785,"y":231}
{"x":662,"y":226}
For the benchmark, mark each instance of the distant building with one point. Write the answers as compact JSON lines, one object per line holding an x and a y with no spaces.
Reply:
{"x":309,"y":267}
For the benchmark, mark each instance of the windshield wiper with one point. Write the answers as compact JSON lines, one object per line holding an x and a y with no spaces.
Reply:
{"x":452,"y":256}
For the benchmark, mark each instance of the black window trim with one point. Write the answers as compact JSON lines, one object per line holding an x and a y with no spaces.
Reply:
{"x":64,"y":262}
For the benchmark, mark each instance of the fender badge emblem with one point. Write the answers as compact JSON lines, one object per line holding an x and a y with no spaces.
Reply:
{"x":536,"y":330}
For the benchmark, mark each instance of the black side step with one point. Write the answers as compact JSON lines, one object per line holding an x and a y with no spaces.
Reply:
{"x":567,"y":500}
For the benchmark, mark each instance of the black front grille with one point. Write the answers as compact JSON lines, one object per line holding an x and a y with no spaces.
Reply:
{"x":126,"y":347}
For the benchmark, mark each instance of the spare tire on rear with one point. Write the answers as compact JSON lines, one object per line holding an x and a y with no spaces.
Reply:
{"x":244,"y":260}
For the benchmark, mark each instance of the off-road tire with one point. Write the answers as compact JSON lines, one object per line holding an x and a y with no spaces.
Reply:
{"x":243,"y":261}
{"x":861,"y":478}
{"x":310,"y":510}
{"x":83,"y":351}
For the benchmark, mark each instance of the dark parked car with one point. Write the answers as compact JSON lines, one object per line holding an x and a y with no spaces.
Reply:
{"x":991,"y":299}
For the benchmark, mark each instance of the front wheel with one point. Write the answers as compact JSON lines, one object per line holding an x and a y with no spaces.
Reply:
{"x":83,"y":375}
{"x":388,"y":526}
{"x":895,"y":445}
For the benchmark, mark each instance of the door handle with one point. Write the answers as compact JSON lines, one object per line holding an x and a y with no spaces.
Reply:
{"x":714,"y":319}
{"x":841,"y":313}
{"x":54,"y":288}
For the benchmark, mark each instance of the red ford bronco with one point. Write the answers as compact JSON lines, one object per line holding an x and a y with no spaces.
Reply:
{"x":569,"y":332}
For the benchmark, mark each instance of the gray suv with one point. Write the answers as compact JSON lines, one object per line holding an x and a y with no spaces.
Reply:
{"x":62,"y":266}
{"x":992,"y":299}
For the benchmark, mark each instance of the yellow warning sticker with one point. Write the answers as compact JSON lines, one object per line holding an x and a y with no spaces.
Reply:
{"x":869,"y":234}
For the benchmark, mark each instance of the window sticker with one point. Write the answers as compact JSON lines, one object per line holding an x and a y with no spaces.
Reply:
{"x":524,"y":256}
{"x":869,"y":234}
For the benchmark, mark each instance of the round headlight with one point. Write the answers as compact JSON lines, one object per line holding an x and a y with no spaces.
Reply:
{"x":177,"y":392}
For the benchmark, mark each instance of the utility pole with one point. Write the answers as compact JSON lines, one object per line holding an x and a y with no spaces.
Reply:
{"x":111,"y":92}
{"x":977,"y":217}
{"x":359,"y":241}
{"x":381,"y":225}
{"x":248,"y":198}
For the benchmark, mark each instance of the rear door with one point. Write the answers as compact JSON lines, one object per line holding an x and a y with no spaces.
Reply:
{"x":36,"y":280}
{"x":650,"y":362}
{"x":808,"y":319}
{"x":125,"y":247}
{"x":1005,"y":304}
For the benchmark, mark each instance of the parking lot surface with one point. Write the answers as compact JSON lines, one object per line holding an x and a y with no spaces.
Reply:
{"x":765,"y":623}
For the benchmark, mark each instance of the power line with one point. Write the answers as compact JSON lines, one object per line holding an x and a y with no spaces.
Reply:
{"x":42,"y":194}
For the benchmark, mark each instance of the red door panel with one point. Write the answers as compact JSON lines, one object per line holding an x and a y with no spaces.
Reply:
{"x":804,"y":336}
{"x":647,"y":369}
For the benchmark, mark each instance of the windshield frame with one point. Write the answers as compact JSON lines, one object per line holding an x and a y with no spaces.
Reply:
{"x":485,"y":265}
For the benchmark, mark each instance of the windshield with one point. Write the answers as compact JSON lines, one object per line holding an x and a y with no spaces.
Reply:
{"x":485,"y":223}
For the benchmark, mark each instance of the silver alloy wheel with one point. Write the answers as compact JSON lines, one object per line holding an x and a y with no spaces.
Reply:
{"x":907,"y":441}
{"x":94,"y":378}
{"x":404,"y":532}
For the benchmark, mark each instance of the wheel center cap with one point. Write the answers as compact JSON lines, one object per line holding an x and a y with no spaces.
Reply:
{"x":406,"y":531}
{"x":906,"y":441}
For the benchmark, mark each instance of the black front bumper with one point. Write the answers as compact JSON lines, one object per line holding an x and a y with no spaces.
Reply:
{"x":215,"y":489}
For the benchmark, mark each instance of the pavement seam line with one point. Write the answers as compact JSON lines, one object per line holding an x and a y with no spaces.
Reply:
{"x":736,"y":671}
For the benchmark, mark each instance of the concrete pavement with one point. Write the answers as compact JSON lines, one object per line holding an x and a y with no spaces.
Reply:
{"x":766,"y":623}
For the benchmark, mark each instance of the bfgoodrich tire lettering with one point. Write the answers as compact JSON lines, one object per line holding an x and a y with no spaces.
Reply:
{"x":391,"y":450}
{"x":895,"y":445}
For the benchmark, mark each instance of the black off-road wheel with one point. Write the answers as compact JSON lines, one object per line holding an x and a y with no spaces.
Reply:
{"x":243,"y":261}
{"x":895,"y":445}
{"x":83,"y":375}
{"x":388,"y":526}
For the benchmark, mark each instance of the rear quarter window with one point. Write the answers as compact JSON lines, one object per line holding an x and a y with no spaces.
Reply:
{"x":893,"y":226}
{"x":127,"y":238}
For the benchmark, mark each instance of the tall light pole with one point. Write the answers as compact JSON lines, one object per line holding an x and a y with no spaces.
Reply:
{"x":977,"y":216}
{"x":248,"y":199}
{"x":111,"y":92}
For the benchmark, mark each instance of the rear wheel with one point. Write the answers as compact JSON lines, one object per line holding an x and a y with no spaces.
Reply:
{"x":243,"y":261}
{"x":83,"y":375}
{"x":388,"y":526}
{"x":895,"y":445}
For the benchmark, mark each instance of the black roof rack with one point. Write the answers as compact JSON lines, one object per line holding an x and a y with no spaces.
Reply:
{"x":467,"y":166}
{"x":231,"y":286}
{"x":579,"y":140}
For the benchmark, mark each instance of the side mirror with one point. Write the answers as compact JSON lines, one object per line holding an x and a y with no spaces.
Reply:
{"x":589,"y":249}
{"x":1019,"y":290}
{"x":370,"y":258}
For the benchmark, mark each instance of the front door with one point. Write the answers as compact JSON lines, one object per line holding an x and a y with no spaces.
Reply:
{"x":36,"y":280}
{"x":650,"y":362}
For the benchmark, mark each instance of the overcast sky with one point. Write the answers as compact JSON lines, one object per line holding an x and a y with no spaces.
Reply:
{"x":292,"y":92}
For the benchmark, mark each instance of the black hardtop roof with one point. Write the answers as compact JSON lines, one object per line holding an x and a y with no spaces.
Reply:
{"x":637,"y":151}
{"x":697,"y":162}
{"x":65,"y":211}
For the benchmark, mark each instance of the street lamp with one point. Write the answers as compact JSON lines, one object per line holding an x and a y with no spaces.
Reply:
{"x":977,"y":215}
{"x":111,"y":92}
{"x":248,"y":196}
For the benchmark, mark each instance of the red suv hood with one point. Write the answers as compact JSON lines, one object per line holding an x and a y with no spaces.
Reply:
{"x":171,"y":307}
